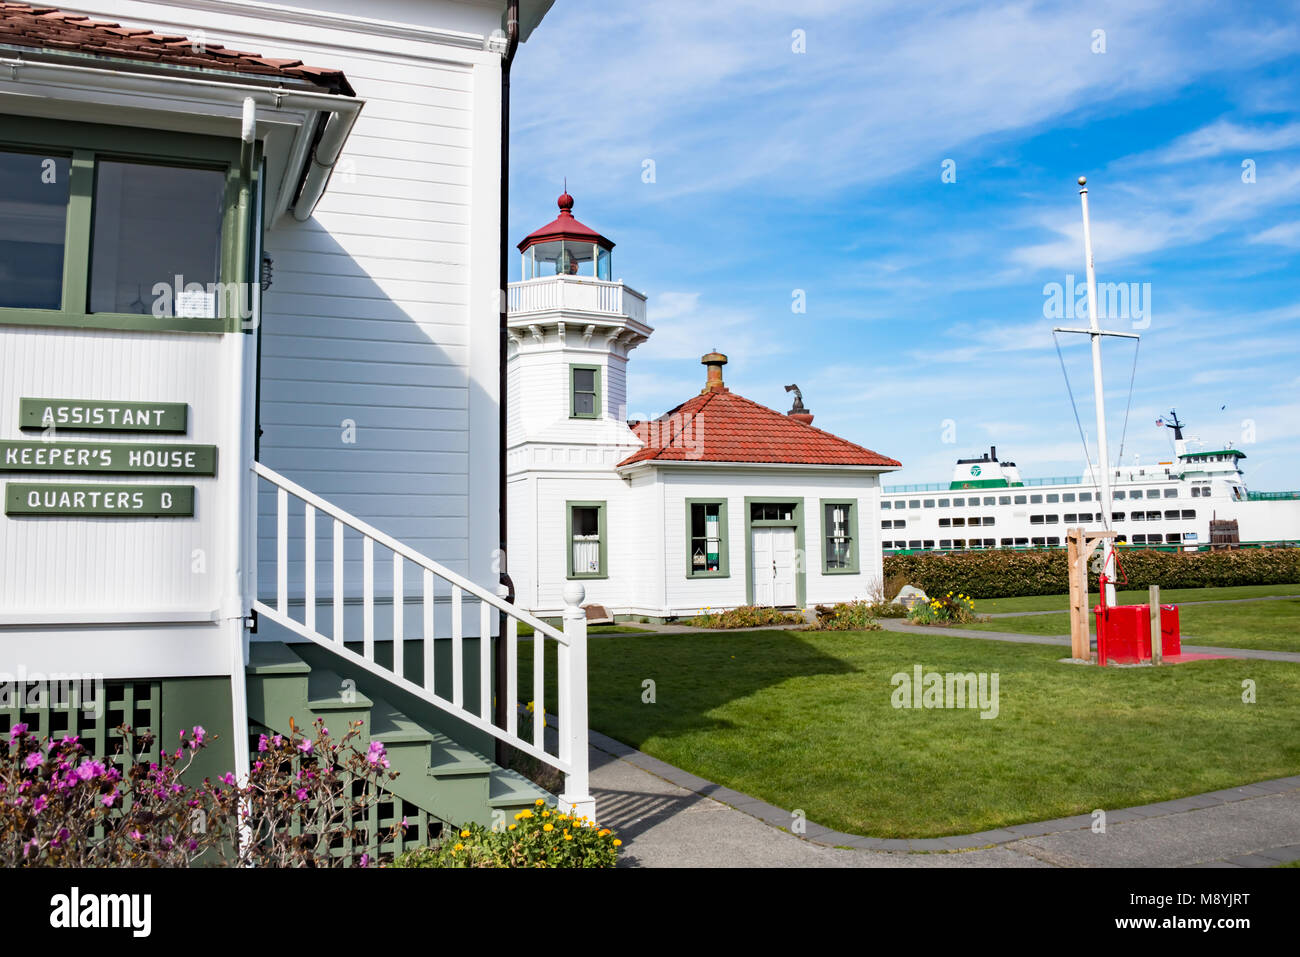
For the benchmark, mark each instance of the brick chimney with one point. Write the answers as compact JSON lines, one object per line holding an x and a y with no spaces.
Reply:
{"x":714,"y":361}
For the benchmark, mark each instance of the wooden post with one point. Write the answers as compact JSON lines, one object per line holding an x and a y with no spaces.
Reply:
{"x":1157,"y":651}
{"x":1079,"y":647}
{"x":1089,"y":542}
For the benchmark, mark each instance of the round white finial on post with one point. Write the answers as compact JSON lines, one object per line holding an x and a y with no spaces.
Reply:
{"x":574,"y":594}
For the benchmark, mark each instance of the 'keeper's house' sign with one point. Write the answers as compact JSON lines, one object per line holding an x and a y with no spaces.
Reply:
{"x":48,"y":454}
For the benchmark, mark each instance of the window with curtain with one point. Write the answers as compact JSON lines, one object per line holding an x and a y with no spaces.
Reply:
{"x":839,"y":533}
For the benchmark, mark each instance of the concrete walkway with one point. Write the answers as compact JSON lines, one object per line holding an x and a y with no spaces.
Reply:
{"x":1212,"y":601}
{"x":669,"y":818}
{"x":898,"y":624}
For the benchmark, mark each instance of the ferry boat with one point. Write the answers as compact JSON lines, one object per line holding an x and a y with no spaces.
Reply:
{"x":1197,"y":500}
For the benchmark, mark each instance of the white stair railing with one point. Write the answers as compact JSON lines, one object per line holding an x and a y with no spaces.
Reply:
{"x":571,"y":643}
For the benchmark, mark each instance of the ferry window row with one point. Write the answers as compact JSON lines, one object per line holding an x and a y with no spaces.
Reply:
{"x":1050,"y":541}
{"x":1034,"y":498}
{"x":1170,"y":515}
{"x":973,"y":500}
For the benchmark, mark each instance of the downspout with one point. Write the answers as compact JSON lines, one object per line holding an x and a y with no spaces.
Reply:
{"x":512,"y":43}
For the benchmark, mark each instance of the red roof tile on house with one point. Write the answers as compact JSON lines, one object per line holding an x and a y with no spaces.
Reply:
{"x":46,"y":28}
{"x":720,"y":426}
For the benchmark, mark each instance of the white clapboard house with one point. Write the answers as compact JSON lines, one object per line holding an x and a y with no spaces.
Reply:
{"x":250,"y":355}
{"x":719,"y":503}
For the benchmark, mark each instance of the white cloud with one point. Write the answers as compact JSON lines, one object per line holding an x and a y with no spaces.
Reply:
{"x":1220,"y":137}
{"x":1283,"y":234}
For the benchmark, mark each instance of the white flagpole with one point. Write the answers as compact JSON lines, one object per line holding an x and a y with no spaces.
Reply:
{"x":1103,"y":456}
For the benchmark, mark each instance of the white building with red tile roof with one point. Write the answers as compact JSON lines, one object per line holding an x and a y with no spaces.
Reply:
{"x":718,"y":503}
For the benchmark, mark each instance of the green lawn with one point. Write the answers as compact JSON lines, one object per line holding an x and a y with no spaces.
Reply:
{"x":805,"y":720}
{"x":1267,"y":625}
{"x":987,"y":606}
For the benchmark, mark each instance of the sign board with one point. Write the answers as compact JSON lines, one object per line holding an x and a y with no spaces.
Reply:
{"x":107,"y":457}
{"x":94,"y":415}
{"x":115,"y":501}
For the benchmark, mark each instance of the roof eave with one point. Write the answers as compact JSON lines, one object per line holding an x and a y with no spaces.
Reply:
{"x":713,"y":463}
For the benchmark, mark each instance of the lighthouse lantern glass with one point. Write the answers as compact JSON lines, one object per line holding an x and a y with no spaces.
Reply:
{"x":564,"y":257}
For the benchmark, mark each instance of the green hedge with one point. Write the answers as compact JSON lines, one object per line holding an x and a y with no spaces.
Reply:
{"x":1003,"y":573}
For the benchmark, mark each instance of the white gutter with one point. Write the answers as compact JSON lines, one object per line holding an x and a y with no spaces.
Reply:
{"x":275,"y":106}
{"x":323,"y":158}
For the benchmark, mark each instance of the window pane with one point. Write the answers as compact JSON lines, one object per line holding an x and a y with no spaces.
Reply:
{"x":153,"y":224}
{"x":706,"y":537}
{"x":584,"y":380}
{"x":33,"y":218}
{"x":585,"y":522}
{"x":838,"y":532}
{"x":584,"y":403}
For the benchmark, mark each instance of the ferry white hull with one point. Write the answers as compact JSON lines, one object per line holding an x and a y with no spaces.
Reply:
{"x":988,"y":505}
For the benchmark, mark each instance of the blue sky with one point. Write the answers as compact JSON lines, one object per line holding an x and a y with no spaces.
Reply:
{"x":822,"y":171}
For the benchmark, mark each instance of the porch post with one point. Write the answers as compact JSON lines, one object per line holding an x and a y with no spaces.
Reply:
{"x":572,"y":679}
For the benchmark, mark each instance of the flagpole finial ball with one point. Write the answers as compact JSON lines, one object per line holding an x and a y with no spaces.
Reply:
{"x":1083,"y":181}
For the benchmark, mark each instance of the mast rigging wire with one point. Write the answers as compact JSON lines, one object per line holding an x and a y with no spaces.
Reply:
{"x":1087,"y":456}
{"x":1137,"y":344}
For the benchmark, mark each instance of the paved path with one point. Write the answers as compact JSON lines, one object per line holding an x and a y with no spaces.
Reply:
{"x":897,"y":624}
{"x":1213,"y":601}
{"x":669,"y":818}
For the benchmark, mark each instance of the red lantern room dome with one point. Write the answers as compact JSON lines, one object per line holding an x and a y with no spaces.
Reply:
{"x":566,"y":247}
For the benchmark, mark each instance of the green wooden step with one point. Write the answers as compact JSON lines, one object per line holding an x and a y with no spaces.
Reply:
{"x":443,"y":778}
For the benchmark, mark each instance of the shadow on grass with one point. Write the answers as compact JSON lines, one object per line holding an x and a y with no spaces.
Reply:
{"x":686,"y":680}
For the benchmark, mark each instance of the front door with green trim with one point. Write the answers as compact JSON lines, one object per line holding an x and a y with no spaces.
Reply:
{"x":773,"y":553}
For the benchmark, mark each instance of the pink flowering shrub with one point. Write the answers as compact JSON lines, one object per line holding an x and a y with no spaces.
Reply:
{"x":304,"y":804}
{"x":307,"y":801}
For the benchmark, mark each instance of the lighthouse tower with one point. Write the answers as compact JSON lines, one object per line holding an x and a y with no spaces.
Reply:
{"x":571,"y":329}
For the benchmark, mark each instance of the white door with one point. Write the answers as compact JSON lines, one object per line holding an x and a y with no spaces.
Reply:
{"x":772,"y":553}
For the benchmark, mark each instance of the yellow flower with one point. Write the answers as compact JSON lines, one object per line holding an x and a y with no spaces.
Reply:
{"x":568,"y":836}
{"x":540,"y":801}
{"x":512,"y":827}
{"x":546,"y":814}
{"x":464,"y":833}
{"x":548,"y":828}
{"x":603,"y":832}
{"x":459,"y":847}
{"x":617,"y":842}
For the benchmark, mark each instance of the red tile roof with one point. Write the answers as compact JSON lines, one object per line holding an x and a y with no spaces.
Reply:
{"x":52,"y":30}
{"x":725,"y":427}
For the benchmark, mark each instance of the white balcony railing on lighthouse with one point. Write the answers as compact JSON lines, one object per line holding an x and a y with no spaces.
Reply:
{"x":576,"y":294}
{"x":296,"y":602}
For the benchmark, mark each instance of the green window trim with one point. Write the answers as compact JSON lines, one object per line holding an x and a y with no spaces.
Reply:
{"x":86,"y":143}
{"x":573,"y":392}
{"x":724,"y":570}
{"x":603,"y":546}
{"x":795,"y":522}
{"x":853,"y":567}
